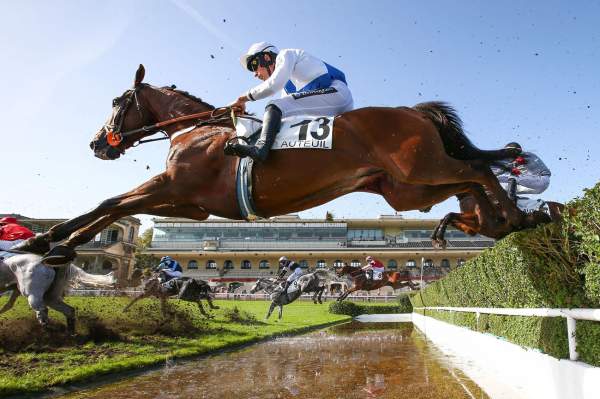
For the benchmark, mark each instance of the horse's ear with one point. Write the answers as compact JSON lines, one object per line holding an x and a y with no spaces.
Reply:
{"x":139,"y":75}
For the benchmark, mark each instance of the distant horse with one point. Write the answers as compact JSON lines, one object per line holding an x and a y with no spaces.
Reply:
{"x":315,"y":283}
{"x":187,"y":289}
{"x":361,"y":283}
{"x":312,"y":282}
{"x":413,"y":157}
{"x":45,"y":286}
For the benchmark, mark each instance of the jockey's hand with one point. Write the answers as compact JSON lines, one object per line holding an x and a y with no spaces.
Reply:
{"x":239,"y":105}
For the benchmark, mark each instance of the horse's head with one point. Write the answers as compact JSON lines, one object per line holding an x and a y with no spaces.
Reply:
{"x":130,"y":112}
{"x":343,"y":270}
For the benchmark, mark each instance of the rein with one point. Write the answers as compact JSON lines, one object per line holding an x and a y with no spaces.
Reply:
{"x":115,"y":138}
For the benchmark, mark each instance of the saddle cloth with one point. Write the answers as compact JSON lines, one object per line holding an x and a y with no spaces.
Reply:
{"x":376,"y":275}
{"x":297,"y":132}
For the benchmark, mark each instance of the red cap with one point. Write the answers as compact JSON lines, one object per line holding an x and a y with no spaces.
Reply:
{"x":7,"y":220}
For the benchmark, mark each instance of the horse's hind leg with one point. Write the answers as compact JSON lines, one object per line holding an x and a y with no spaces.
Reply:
{"x":36,"y":302}
{"x":68,"y":311}
{"x":201,"y":308}
{"x":11,"y":301}
{"x":280,"y":311}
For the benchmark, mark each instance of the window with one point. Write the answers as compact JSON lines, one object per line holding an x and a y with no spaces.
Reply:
{"x":303,"y":264}
{"x":355,"y":263}
{"x":445,"y":263}
{"x":228,"y":265}
{"x":107,"y":265}
{"x":338,"y":263}
{"x":131,"y":233}
{"x":211,"y":264}
{"x":428,"y":263}
{"x":192,"y":264}
{"x":365,"y":234}
{"x":321,"y":264}
{"x":112,"y":236}
{"x":264,"y":264}
{"x":392,"y":264}
{"x":246,"y":264}
{"x":411,"y":263}
{"x":460,"y":262}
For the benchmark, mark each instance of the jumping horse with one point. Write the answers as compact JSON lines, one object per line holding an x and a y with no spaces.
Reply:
{"x":360,"y":282}
{"x":187,"y":289}
{"x":413,"y":157}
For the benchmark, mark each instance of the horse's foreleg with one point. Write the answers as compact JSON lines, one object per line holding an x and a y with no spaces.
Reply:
{"x":68,"y":311}
{"x":271,"y":308}
{"x":346,"y":293}
{"x":11,"y":301}
{"x":210,"y":303}
{"x":321,"y":291}
{"x":201,"y":308}
{"x":134,"y":300}
{"x":64,"y":229}
{"x":280,"y":311}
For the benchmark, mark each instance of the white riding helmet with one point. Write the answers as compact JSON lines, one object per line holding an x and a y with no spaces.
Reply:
{"x":283,"y":259}
{"x":255,"y":49}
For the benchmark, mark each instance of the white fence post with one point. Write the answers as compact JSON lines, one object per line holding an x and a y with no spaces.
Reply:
{"x":571,"y":328}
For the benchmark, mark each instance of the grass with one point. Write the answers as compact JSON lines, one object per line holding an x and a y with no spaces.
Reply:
{"x":108,"y":341}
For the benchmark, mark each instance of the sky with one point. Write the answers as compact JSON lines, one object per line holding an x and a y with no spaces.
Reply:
{"x":526,"y":71}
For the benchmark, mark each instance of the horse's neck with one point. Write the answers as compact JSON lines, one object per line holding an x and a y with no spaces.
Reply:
{"x":168,"y":104}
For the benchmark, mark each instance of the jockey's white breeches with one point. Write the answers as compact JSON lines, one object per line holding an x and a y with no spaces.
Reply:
{"x":530,"y":184}
{"x":314,"y":104}
{"x":172,"y":273}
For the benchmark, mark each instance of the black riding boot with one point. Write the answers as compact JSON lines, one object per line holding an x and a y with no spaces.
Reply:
{"x":512,"y":190}
{"x":270,"y":128}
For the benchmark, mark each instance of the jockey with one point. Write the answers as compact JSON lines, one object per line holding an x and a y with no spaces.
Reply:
{"x":311,"y":87}
{"x":293,"y":267}
{"x":12,"y":233}
{"x":525,"y":174}
{"x":373,"y":268}
{"x":170,"y":268}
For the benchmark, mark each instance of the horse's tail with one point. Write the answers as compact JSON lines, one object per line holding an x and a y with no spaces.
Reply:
{"x":456,"y":143}
{"x":77,"y":275}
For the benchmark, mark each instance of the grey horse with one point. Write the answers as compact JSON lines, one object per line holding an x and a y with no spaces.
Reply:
{"x":45,"y":286}
{"x":312,"y":282}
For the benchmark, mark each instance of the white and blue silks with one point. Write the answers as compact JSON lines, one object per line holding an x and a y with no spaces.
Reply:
{"x":310,"y":86}
{"x":534,"y":176}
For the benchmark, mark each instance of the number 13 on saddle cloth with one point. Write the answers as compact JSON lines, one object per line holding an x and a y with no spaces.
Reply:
{"x":297,"y":132}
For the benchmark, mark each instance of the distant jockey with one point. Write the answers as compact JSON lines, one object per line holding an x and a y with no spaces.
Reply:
{"x":293,"y":267}
{"x":374,"y":269}
{"x":170,"y":268}
{"x":12,"y":233}
{"x":525,"y":174}
{"x":311,"y":87}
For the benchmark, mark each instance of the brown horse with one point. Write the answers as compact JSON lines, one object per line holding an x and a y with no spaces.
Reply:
{"x":479,"y":216}
{"x":413,"y":157}
{"x":360,"y":282}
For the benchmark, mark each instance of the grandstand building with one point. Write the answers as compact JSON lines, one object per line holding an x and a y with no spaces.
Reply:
{"x":232,"y":251}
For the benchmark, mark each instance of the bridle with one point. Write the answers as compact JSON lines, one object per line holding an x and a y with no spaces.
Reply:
{"x":114,"y":135}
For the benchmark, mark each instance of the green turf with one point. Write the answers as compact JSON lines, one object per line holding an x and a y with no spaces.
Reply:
{"x":109,"y":341}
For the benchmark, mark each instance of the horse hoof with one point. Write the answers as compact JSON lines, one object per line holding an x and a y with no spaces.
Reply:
{"x":59,"y":255}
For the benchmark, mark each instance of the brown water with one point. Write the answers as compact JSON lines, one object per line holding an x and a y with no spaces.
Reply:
{"x":353,"y":360}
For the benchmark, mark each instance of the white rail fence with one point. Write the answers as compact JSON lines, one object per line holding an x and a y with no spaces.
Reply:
{"x":570,"y":314}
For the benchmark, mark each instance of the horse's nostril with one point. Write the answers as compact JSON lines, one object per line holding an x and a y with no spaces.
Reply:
{"x":93,"y":145}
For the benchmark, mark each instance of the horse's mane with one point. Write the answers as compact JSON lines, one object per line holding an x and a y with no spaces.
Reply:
{"x":187,"y":94}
